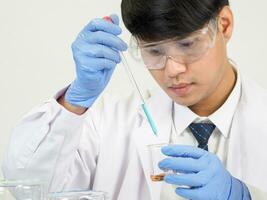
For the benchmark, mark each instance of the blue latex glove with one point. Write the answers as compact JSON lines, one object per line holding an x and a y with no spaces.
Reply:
{"x":96,"y":53}
{"x":203,"y":172}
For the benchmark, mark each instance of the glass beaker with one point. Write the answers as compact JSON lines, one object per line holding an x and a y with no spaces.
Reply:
{"x":156,"y":174}
{"x":156,"y":156}
{"x":21,"y":190}
{"x":78,"y":195}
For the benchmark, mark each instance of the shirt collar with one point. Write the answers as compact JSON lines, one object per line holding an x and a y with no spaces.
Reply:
{"x":222,"y":117}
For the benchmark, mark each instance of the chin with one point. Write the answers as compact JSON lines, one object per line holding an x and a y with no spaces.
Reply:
{"x":183,"y":101}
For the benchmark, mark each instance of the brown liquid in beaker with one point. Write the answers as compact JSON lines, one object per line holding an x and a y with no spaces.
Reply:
{"x":158,"y":177}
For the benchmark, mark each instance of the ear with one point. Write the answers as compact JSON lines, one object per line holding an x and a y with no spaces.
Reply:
{"x":226,"y":23}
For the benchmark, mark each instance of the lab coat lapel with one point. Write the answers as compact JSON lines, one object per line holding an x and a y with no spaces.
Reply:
{"x":235,"y":148}
{"x":159,"y":106}
{"x":234,"y":157}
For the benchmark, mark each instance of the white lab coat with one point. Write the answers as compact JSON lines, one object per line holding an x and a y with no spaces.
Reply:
{"x":105,"y":149}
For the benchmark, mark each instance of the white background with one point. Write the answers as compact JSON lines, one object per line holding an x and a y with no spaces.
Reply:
{"x":36,"y":60}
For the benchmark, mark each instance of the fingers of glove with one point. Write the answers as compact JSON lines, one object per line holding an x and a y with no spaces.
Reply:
{"x":99,"y":24}
{"x":108,"y":75}
{"x":182,"y":165}
{"x":85,"y":65}
{"x":115,"y":19}
{"x":192,"y":180}
{"x":183,"y":151}
{"x":96,"y":51}
{"x":193,"y":193}
{"x":103,"y":38}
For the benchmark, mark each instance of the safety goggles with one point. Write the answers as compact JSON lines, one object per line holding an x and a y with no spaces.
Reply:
{"x":184,"y":51}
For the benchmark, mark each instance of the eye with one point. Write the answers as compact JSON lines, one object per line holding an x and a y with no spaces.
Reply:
{"x":186,"y":44}
{"x":190,"y":43}
{"x":154,"y":51}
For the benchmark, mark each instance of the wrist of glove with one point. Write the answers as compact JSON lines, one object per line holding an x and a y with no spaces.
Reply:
{"x":79,"y":94}
{"x":202,"y":172}
{"x":238,"y":190}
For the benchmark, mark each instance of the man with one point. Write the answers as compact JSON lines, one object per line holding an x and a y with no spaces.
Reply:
{"x":214,"y":117}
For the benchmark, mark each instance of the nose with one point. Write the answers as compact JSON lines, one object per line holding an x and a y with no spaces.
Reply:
{"x":173,"y":68}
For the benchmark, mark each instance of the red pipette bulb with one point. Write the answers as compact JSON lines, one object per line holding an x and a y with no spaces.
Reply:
{"x":107,"y":18}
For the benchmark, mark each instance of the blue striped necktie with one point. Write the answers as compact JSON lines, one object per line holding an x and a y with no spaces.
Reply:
{"x":202,"y":133}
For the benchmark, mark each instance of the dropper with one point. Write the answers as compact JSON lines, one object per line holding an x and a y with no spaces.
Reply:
{"x":134,"y":82}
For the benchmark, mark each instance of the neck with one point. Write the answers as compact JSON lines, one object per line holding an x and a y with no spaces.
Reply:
{"x":209,"y":105}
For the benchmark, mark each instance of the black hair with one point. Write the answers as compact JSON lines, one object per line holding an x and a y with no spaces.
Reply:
{"x":155,"y":20}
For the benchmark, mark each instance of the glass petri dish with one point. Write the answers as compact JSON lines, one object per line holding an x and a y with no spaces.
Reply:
{"x":21,"y":190}
{"x":78,"y":195}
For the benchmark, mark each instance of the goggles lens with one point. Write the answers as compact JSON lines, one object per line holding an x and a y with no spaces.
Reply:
{"x":185,"y":51}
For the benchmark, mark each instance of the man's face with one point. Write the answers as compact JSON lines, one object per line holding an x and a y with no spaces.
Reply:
{"x":192,"y":83}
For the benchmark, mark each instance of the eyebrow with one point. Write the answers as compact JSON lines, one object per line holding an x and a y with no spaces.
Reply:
{"x":152,"y":44}
{"x":148,"y":45}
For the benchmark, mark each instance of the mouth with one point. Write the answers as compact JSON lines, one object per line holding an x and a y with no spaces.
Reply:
{"x":181,"y":89}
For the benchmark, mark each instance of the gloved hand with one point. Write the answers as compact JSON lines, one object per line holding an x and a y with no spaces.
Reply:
{"x":203,"y":172}
{"x":96,"y":53}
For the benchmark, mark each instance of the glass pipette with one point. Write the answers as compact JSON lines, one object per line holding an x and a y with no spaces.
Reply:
{"x":131,"y":77}
{"x":144,"y":107}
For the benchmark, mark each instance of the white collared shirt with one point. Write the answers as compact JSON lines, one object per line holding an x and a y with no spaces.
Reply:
{"x":218,"y":142}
